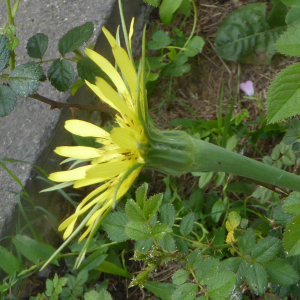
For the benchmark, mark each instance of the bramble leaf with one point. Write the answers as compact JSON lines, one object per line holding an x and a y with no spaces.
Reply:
{"x":246,"y":241}
{"x":7,"y":100}
{"x":291,"y":238}
{"x":134,"y":212}
{"x":245,"y":35}
{"x":152,"y":205}
{"x":24,"y":79}
{"x":282,"y":96}
{"x":292,"y":203}
{"x":288,"y":43}
{"x":37,"y":45}
{"x":265,"y":250}
{"x":61,"y":74}
{"x":167,"y":214}
{"x":75,"y":38}
{"x":137,"y":231}
{"x":88,"y":70}
{"x":160,"y":289}
{"x":257,"y":278}
{"x":186,"y":291}
{"x":180,"y":277}
{"x":187,"y":224}
{"x":4,"y":52}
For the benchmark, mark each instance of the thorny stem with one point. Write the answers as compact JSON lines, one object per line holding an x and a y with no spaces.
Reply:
{"x":55,"y":104}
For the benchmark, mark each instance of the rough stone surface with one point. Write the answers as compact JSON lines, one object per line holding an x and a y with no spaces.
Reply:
{"x":30,"y":132}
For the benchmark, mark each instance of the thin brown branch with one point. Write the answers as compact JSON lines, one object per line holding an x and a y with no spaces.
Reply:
{"x":55,"y":104}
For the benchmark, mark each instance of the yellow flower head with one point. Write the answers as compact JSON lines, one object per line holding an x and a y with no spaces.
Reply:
{"x":121,"y":148}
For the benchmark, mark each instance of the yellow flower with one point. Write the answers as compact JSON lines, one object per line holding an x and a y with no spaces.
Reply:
{"x":122,"y":148}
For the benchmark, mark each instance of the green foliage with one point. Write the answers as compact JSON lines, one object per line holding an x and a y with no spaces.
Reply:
{"x":167,"y":10}
{"x":37,"y":45}
{"x":7,"y":100}
{"x":8,"y":262}
{"x":246,"y":35}
{"x":291,"y":3}
{"x":4,"y":52}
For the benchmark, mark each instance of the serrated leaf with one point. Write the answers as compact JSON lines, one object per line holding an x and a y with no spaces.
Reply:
{"x":110,"y":268}
{"x":82,"y":277}
{"x":159,"y":40}
{"x":160,"y":230}
{"x":37,"y":45}
{"x":24,"y":79}
{"x":246,"y":36}
{"x":180,"y":277}
{"x":205,"y":178}
{"x":291,"y":3}
{"x":152,"y":205}
{"x":141,"y":195}
{"x":134,"y":212}
{"x":217,"y":210}
{"x":293,"y":16}
{"x":257,"y":278}
{"x":7,"y":100}
{"x":281,"y":272}
{"x":282,"y":96}
{"x":167,"y":243}
{"x":234,"y":219}
{"x":292,"y":203}
{"x":75,"y":38}
{"x":246,"y":242}
{"x":167,"y":214}
{"x":31,"y":249}
{"x":265,"y":250}
{"x":195,"y":259}
{"x":187,"y":224}
{"x":167,"y":10}
{"x":281,"y":217}
{"x":207,"y":269}
{"x":160,"y":289}
{"x":186,"y":291}
{"x":143,"y":245}
{"x":8,"y":262}
{"x":293,"y":132}
{"x":288,"y":43}
{"x":292,"y":237}
{"x":114,"y":224}
{"x":61,"y":74}
{"x":93,"y":295}
{"x":137,"y":231}
{"x":236,"y":265}
{"x":4,"y":52}
{"x":88,"y":70}
{"x":220,"y":285}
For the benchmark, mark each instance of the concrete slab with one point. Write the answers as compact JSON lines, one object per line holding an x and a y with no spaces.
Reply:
{"x":32,"y":131}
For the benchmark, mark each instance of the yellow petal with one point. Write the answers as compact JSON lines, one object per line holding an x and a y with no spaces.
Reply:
{"x":124,"y":137}
{"x":85,"y":233}
{"x":131,"y":32}
{"x":123,"y":62}
{"x":78,"y":152}
{"x":67,"y":222}
{"x":87,"y":181}
{"x":109,"y":69}
{"x":108,"y":170}
{"x":69,"y":230}
{"x":76,"y":174}
{"x":85,"y":129}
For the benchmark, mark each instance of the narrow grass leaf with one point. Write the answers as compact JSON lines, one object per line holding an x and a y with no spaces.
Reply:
{"x":110,"y":268}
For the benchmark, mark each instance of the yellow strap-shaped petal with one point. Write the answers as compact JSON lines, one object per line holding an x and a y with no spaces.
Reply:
{"x":76,"y":174}
{"x":78,"y":152}
{"x":123,"y":62}
{"x":109,"y":69}
{"x":108,"y":170}
{"x":85,"y":129}
{"x":131,"y":32}
{"x":87,"y":181}
{"x":124,"y":137}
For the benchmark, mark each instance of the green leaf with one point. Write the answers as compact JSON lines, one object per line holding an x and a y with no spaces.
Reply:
{"x":293,"y":16}
{"x":281,"y":272}
{"x":160,"y":290}
{"x":93,"y":260}
{"x":281,"y":217}
{"x":217,"y":210}
{"x":235,"y":265}
{"x":291,"y":238}
{"x":177,"y":67}
{"x":245,"y":35}
{"x":180,"y":277}
{"x":167,"y":243}
{"x":37,"y":45}
{"x":292,"y":203}
{"x":220,"y":285}
{"x":137,"y":231}
{"x":152,"y":2}
{"x":167,"y":10}
{"x":61,"y":74}
{"x":194,"y":46}
{"x":282,"y":96}
{"x":31,"y":249}
{"x":257,"y":278}
{"x":7,"y":100}
{"x":141,"y":195}
{"x":207,"y":269}
{"x":152,"y":205}
{"x":167,"y":214}
{"x":196,"y":202}
{"x":110,"y":268}
{"x":134,"y":212}
{"x":291,"y":3}
{"x":93,"y":295}
{"x":195,"y":259}
{"x":293,"y":132}
{"x":205,"y":178}
{"x":114,"y":224}
{"x":288,"y":43}
{"x":187,"y":224}
{"x":246,"y":241}
{"x":186,"y":291}
{"x":8,"y":262}
{"x":13,"y":43}
{"x":4,"y":52}
{"x":88,"y":70}
{"x":24,"y":80}
{"x":75,"y":38}
{"x":234,"y":219}
{"x":160,"y":230}
{"x":265,"y":250}
{"x":159,"y":40}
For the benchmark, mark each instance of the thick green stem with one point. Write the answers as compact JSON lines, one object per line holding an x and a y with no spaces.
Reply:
{"x":177,"y":153}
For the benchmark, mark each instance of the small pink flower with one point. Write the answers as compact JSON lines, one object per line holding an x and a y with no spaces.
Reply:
{"x":247,"y":88}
